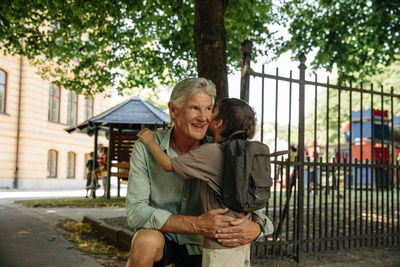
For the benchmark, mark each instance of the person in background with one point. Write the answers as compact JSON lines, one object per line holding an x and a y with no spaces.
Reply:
{"x":99,"y":149}
{"x":89,"y":169}
{"x":95,"y":174}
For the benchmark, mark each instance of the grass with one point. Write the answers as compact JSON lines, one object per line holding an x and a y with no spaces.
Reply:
{"x":78,"y":202}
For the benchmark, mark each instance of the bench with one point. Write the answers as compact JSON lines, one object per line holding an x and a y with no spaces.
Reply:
{"x":122,"y":173}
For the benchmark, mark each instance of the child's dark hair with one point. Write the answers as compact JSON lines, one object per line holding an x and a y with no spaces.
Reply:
{"x":237,"y":115}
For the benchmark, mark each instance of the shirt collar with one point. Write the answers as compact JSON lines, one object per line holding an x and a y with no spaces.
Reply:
{"x":165,"y":140}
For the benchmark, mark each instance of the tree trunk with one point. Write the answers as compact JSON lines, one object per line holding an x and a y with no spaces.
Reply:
{"x":210,"y":43}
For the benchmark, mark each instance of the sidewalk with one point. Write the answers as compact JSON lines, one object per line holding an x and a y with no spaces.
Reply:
{"x":31,"y":237}
{"x":110,"y":221}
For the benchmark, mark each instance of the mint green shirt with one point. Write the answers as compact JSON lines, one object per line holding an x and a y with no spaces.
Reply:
{"x":154,"y":194}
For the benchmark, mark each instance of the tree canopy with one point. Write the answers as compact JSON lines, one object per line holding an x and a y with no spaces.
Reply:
{"x":352,"y":36}
{"x":88,"y":46}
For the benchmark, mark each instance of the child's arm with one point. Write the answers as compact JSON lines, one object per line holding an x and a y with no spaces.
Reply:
{"x":147,"y":138}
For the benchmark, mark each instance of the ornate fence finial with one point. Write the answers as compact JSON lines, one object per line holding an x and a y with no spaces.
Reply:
{"x":246,"y":48}
{"x":302,"y":59}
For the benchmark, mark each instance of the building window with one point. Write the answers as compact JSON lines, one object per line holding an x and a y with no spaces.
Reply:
{"x":54,"y":103}
{"x":71,"y":165}
{"x":52,"y":164}
{"x":72,"y":108}
{"x":3,"y":90}
{"x":88,"y":107}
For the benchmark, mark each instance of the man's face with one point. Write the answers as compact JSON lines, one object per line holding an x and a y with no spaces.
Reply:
{"x":194,"y":115}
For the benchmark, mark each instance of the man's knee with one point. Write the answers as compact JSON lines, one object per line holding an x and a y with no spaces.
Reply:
{"x":148,"y":243}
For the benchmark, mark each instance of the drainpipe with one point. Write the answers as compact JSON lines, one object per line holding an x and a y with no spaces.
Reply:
{"x":18,"y":125}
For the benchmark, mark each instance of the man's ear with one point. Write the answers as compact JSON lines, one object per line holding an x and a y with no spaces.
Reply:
{"x":171,"y":108}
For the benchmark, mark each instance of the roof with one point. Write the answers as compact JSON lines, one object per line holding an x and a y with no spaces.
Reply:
{"x":130,"y":114}
{"x":132,"y":111}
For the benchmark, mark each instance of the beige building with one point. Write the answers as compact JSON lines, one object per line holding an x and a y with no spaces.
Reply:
{"x":36,"y":151}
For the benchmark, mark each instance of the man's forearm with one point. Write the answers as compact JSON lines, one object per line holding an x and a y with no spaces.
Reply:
{"x":180,"y":224}
{"x":206,"y":224}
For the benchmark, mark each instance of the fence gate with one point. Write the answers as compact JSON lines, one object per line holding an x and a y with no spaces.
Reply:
{"x":341,"y":190}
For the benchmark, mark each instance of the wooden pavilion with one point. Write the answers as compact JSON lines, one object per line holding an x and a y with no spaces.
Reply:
{"x":120,"y":125}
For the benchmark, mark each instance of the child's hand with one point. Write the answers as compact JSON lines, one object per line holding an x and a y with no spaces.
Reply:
{"x":146,"y":136}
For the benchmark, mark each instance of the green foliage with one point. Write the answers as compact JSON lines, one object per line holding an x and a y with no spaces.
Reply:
{"x":88,"y":46}
{"x":249,"y":20}
{"x":352,"y":36}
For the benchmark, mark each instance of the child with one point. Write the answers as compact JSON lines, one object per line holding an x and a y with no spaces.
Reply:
{"x":95,"y":174}
{"x":89,"y":167}
{"x":206,"y":163}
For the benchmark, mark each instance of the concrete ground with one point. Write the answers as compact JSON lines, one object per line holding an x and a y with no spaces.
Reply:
{"x":27,"y":241}
{"x":30,"y":236}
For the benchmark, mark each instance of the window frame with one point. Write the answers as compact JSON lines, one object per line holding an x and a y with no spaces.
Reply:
{"x":69,"y":166}
{"x":71,"y":102}
{"x":87,"y":107}
{"x":49,"y":163}
{"x":51,"y":99}
{"x":5,"y":91}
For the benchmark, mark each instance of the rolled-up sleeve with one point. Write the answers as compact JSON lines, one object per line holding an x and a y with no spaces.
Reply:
{"x":268,"y":226}
{"x":138,"y":210}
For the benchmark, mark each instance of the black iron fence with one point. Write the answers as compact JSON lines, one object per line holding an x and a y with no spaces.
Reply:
{"x":341,"y":190}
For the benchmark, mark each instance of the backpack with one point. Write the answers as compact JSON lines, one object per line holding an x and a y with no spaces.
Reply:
{"x":246,"y":179}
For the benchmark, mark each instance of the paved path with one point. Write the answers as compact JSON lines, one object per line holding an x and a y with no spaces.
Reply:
{"x":27,"y":241}
{"x":30,"y":237}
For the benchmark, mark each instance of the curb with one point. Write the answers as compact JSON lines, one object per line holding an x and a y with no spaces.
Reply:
{"x":122,"y":237}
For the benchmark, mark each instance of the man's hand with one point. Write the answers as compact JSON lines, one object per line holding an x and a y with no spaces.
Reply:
{"x":209,"y":222}
{"x":240,"y":232}
{"x":146,"y":136}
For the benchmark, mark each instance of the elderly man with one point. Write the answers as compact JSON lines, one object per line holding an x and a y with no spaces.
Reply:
{"x":165,"y":209}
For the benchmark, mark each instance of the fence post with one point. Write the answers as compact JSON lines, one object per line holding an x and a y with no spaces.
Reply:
{"x":300,"y":156}
{"x":96,"y":136}
{"x":245,"y":70}
{"x":110,"y":156}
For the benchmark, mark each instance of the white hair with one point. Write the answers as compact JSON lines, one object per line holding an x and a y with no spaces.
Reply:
{"x":190,"y":86}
